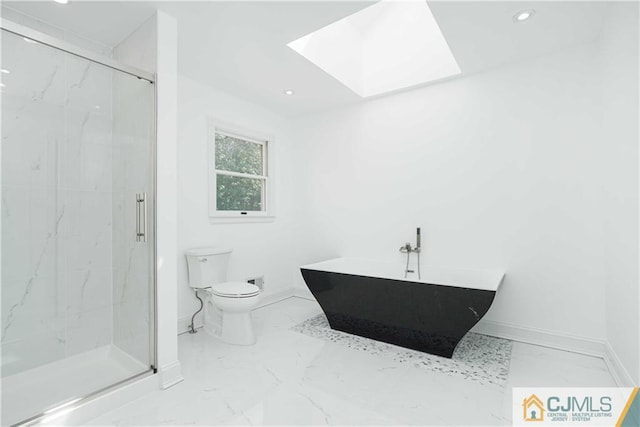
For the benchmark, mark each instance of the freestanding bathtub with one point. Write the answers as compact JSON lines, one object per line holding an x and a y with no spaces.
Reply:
{"x":373,"y":300}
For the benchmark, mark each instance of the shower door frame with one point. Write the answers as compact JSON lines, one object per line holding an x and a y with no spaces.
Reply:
{"x":22,"y":31}
{"x":48,"y":414}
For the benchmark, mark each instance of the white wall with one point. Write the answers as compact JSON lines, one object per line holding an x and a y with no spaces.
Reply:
{"x":266,"y":248}
{"x":511,"y":168}
{"x":500,"y":169}
{"x":154,"y":48}
{"x":49,"y":29}
{"x":139,"y":49}
{"x":620,"y":140}
{"x":167,"y":198}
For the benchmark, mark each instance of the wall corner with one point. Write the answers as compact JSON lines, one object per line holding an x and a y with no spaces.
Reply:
{"x":166,"y":203}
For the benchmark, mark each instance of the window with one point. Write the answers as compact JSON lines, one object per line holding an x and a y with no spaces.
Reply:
{"x":239,"y":174}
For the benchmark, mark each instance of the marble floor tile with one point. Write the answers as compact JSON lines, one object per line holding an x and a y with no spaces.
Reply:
{"x":536,"y":366}
{"x":304,"y":405}
{"x":477,"y":357}
{"x":290,"y":378}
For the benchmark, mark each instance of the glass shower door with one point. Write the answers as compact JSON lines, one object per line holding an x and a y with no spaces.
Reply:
{"x":77,"y":196}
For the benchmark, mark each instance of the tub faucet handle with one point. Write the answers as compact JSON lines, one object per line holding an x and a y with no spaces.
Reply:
{"x":406,"y":248}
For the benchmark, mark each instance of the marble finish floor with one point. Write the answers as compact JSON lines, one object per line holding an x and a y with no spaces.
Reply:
{"x":477,"y":357}
{"x":289,"y":378}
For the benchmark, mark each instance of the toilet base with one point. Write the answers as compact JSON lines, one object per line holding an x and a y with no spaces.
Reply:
{"x":212,"y":318}
{"x":237,"y":329}
{"x":227,"y":323}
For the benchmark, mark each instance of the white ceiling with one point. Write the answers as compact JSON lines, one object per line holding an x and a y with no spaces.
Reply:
{"x":383,"y":48}
{"x":240,"y":47}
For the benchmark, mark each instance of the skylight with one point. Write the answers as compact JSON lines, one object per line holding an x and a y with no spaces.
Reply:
{"x":385,"y":47}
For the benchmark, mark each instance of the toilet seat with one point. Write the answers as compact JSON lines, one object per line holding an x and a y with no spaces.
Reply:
{"x":235,"y":290}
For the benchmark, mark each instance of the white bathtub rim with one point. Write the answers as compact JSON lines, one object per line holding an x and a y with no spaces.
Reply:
{"x":488,"y":279}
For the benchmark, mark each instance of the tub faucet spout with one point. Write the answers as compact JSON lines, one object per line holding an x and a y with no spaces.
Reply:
{"x":407,"y":249}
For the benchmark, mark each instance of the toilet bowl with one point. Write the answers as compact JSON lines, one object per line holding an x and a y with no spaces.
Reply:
{"x":227,"y":305}
{"x":234,"y":300}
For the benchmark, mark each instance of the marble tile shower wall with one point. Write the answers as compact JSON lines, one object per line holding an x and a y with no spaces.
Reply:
{"x":54,"y":31}
{"x":132,"y":269}
{"x":56,"y":205}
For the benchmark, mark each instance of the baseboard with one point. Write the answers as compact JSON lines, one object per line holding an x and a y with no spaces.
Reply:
{"x":535,"y":336}
{"x":617,"y":369}
{"x":542,"y":337}
{"x":268,"y":299}
{"x":559,"y":341}
{"x":303,"y":293}
{"x":184,"y":323}
{"x":170,"y":375}
{"x":275,"y":297}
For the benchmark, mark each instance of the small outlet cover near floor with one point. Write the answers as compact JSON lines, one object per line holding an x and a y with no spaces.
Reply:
{"x":258,"y":281}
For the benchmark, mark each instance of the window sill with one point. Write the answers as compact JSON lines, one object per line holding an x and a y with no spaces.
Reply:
{"x":225,"y":219}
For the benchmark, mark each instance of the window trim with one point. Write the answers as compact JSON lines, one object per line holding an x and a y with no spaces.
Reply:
{"x":228,"y":129}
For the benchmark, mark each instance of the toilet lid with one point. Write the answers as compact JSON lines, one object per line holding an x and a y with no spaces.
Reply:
{"x":235,"y":289}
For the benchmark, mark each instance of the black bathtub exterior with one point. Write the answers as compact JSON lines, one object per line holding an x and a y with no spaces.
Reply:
{"x":420,"y":316}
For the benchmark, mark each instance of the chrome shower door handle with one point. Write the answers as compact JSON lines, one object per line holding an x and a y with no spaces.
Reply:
{"x":141,"y":217}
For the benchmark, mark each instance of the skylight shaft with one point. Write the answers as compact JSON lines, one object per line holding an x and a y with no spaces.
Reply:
{"x":385,"y":47}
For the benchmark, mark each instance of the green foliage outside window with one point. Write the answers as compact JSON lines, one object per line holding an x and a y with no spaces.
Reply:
{"x":235,"y":193}
{"x":238,"y":155}
{"x":238,"y":194}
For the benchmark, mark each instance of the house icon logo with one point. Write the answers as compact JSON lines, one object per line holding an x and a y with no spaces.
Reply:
{"x":533,"y":409}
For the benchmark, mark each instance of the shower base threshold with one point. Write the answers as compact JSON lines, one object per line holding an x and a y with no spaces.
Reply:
{"x":37,"y":390}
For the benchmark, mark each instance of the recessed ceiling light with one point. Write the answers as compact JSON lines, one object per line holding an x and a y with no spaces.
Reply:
{"x":5,"y":71}
{"x":1,"y":84}
{"x":288,"y":92}
{"x":523,"y":15}
{"x":61,"y":1}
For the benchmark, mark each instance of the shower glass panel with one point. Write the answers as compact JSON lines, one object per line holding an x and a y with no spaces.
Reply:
{"x":77,"y":275}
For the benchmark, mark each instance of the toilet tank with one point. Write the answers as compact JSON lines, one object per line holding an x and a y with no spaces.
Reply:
{"x":207,"y":266}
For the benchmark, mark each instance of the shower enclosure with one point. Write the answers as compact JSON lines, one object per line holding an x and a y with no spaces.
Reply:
{"x":78,"y":247}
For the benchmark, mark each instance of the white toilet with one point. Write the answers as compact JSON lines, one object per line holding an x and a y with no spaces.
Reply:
{"x":227,"y":305}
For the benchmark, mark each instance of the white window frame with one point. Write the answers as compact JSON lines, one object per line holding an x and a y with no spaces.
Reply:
{"x":267,"y":141}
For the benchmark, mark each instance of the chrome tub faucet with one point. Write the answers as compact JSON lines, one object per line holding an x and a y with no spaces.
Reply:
{"x":407,"y":249}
